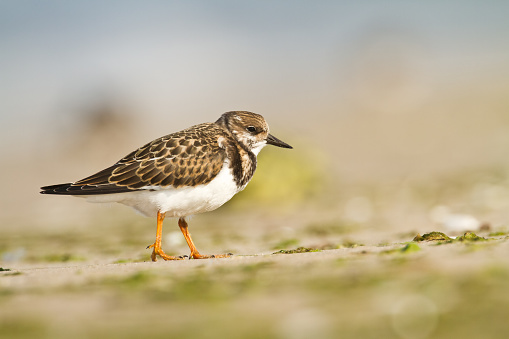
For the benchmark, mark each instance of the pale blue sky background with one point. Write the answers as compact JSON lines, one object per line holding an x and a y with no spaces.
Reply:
{"x":186,"y":61}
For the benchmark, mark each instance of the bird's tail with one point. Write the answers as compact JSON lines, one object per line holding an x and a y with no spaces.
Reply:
{"x":57,"y":189}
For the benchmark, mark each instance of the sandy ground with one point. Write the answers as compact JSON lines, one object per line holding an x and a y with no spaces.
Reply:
{"x":383,"y":287}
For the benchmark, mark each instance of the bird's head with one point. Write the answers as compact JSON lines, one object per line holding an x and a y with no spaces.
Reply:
{"x":250,"y":129}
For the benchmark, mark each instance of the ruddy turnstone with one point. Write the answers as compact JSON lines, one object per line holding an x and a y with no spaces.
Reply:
{"x":188,"y":172}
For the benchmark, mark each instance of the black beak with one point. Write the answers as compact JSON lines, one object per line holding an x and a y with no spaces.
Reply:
{"x":272,"y":140}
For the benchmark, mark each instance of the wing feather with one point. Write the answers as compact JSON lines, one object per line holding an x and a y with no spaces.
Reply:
{"x":187,"y":158}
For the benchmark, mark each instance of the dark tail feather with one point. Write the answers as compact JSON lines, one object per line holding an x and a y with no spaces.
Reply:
{"x":57,"y":189}
{"x":71,"y":189}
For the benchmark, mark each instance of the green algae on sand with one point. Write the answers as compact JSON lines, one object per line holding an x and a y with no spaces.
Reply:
{"x":439,"y":236}
{"x":408,"y":248}
{"x":470,"y":236}
{"x":432,"y":236}
{"x":298,"y":250}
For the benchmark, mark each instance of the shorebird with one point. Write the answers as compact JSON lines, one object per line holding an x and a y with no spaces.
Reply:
{"x":192,"y":171}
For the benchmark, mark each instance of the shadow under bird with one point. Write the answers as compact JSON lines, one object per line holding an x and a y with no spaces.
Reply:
{"x":184,"y":173}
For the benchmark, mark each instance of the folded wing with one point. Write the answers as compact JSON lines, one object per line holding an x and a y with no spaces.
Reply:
{"x":187,"y":158}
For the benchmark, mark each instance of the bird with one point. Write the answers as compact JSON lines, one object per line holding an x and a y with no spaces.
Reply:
{"x":181,"y":174}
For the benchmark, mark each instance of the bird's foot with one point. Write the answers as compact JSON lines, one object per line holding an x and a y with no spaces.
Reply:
{"x":159,"y":252}
{"x":197,"y":255}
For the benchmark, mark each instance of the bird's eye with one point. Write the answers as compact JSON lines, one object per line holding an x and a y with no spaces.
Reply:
{"x":251,"y":129}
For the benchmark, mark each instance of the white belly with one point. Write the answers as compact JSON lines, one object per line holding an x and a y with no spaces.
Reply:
{"x":178,"y":202}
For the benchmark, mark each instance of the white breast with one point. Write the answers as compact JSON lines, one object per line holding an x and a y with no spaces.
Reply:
{"x":178,"y":202}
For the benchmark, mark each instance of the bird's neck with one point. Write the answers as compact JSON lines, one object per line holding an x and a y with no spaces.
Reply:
{"x":242,"y":163}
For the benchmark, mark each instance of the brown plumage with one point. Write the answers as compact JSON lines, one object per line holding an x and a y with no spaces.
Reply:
{"x":158,"y":163}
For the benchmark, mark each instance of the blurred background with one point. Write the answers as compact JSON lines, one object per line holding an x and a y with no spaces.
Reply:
{"x":398,"y":112}
{"x":394,"y":108}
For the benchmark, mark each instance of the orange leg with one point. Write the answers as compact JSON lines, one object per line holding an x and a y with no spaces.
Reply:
{"x":157,"y":244}
{"x":194,"y":251}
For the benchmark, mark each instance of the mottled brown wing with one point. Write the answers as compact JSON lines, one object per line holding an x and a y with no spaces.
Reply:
{"x":187,"y":158}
